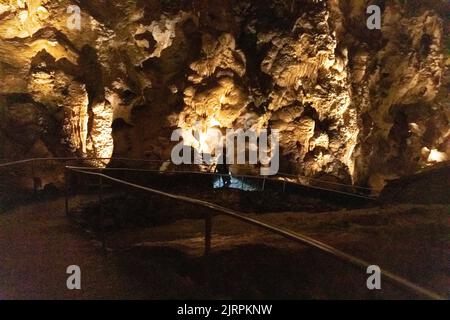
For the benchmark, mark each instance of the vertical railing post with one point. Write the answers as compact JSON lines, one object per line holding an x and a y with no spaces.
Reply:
{"x":284,"y":186}
{"x":102,"y":216}
{"x":264,"y":184}
{"x":33,"y":177}
{"x":208,"y":233}
{"x":66,"y":189}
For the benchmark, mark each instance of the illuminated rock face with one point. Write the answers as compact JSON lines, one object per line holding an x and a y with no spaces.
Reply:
{"x":401,"y":87}
{"x":352,"y":104}
{"x":309,"y":73}
{"x":43,"y":66}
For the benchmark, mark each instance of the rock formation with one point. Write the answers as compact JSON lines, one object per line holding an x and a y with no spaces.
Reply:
{"x":352,"y":104}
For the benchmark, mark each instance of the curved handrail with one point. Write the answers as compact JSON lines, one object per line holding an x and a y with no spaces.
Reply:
{"x":328,"y":182}
{"x":11,"y":163}
{"x":288,"y":234}
{"x":280,"y":175}
{"x":217,"y":174}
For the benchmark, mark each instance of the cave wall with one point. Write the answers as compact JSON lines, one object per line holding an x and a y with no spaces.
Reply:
{"x":351,"y":104}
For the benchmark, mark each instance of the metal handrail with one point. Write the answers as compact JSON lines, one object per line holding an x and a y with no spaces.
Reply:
{"x":280,"y":175}
{"x":237,"y":176}
{"x":328,"y":182}
{"x":288,"y":234}
{"x":164,"y":161}
{"x":75,"y":159}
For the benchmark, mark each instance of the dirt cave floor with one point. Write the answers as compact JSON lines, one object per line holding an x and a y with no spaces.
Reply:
{"x":153,"y":257}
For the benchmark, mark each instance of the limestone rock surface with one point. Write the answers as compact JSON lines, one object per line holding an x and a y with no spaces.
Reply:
{"x":353,"y":105}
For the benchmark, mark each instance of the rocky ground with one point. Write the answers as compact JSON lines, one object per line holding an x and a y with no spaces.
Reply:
{"x":166,"y":260}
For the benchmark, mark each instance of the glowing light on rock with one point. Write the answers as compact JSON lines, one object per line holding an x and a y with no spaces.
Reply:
{"x":436,"y":156}
{"x":204,"y":135}
{"x":214,"y":122}
{"x":23,"y":16}
{"x":101,"y":132}
{"x":30,"y":16}
{"x":203,"y":145}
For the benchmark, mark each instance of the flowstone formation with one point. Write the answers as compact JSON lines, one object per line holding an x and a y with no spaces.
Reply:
{"x":352,"y":105}
{"x":51,"y":91}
